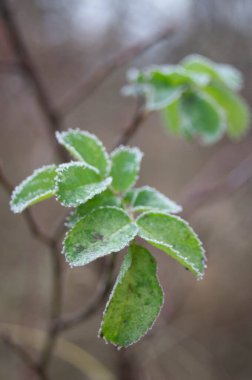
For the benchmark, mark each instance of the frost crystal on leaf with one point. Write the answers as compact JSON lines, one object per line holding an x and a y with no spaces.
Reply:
{"x":35,"y":188}
{"x":125,"y":167}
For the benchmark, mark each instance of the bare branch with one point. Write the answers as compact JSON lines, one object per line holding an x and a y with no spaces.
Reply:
{"x":233,"y":181}
{"x":26,"y":63}
{"x":56,"y":296}
{"x":9,"y":67}
{"x":24,"y":356}
{"x":90,"y":83}
{"x":131,"y":129}
{"x":102,"y":291}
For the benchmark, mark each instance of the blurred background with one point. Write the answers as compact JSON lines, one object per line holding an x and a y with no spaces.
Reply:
{"x":205,"y":328}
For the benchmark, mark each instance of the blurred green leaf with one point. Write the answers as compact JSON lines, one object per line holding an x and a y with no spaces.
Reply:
{"x":37,"y":187}
{"x":135,"y":301}
{"x":77,"y":182}
{"x":202,"y":118}
{"x":103,"y":231}
{"x":172,"y":118}
{"x":236,"y":110}
{"x":226,"y":74}
{"x":162,"y":85}
{"x":174,"y":236}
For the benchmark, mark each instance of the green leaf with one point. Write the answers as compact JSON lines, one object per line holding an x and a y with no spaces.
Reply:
{"x":162,"y":85}
{"x":236,"y":110}
{"x":174,"y":236}
{"x":226,"y":74}
{"x":77,"y":182}
{"x":39,"y":186}
{"x":86,"y":147}
{"x":171,"y":117}
{"x":156,"y":96}
{"x":174,"y":76}
{"x":106,"y":198}
{"x":103,"y":231}
{"x":125,"y":167}
{"x":161,"y":96}
{"x":135,"y":301}
{"x":201,"y":117}
{"x":147,"y":199}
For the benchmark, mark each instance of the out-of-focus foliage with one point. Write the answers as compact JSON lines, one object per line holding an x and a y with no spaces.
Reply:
{"x":198,"y":98}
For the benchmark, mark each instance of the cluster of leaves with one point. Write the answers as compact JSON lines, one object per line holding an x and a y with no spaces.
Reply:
{"x":198,"y":98}
{"x":109,"y":212}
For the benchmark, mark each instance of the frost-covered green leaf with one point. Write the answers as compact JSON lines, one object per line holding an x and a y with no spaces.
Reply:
{"x":86,"y":147}
{"x":201,"y":117}
{"x":235,"y":108}
{"x":174,"y":236}
{"x":135,"y":301}
{"x":146,"y":199}
{"x":103,"y":231}
{"x":77,"y":182}
{"x":125,"y":167}
{"x":223,"y":73}
{"x":39,"y":186}
{"x":106,"y":198}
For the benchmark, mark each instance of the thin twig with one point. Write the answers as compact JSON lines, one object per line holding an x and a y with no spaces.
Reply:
{"x":56,"y":296}
{"x":131,"y":129}
{"x":205,"y":194}
{"x":24,"y":356}
{"x":101,"y":293}
{"x":90,"y":83}
{"x":30,"y":70}
{"x":9,"y":67}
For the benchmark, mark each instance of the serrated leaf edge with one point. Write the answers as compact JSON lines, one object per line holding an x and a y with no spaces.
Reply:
{"x":19,"y":209}
{"x":118,"y":280}
{"x":139,"y":156}
{"x":198,"y":275}
{"x":146,"y":187}
{"x":60,"y":138}
{"x":109,"y":252}
{"x":107,"y":181}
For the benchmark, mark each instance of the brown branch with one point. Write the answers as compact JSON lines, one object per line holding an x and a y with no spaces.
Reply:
{"x":102,"y":291}
{"x":30,"y":70}
{"x":9,"y":67}
{"x":56,"y":297}
{"x":131,"y":129}
{"x":24,"y":356}
{"x":205,"y":194}
{"x":90,"y":83}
